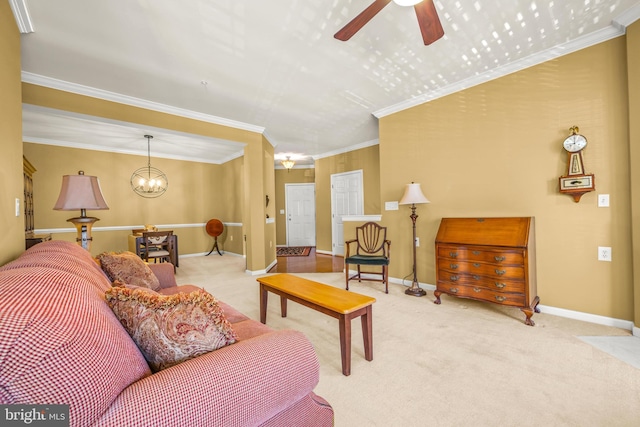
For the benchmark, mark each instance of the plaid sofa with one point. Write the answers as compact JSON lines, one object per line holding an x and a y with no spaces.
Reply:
{"x":61,"y":344}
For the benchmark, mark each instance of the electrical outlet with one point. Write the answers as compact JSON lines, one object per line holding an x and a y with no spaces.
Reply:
{"x":417,"y":241}
{"x":604,"y":253}
{"x":231,"y":238}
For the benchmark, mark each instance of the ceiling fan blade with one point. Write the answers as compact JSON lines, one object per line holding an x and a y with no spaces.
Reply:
{"x":430,"y":25}
{"x":358,"y":22}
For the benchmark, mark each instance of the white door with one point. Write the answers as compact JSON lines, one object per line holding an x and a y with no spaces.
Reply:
{"x":347,"y":198}
{"x":300,"y":207}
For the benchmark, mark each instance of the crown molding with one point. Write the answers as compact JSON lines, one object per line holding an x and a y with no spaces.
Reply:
{"x":347,"y":149}
{"x":21,"y":14}
{"x":65,"y":86}
{"x":616,"y":29}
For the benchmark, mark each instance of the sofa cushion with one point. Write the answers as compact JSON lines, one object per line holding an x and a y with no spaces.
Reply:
{"x":60,"y":342}
{"x":169,"y":329}
{"x":129,"y":268}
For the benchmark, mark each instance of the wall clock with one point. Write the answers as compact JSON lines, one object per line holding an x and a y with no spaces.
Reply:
{"x":576,"y":182}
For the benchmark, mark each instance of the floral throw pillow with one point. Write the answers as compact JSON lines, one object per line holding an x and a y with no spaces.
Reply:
{"x":129,"y":268}
{"x":170,"y":329}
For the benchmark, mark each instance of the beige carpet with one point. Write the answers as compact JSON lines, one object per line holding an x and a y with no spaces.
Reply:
{"x":460,"y":363}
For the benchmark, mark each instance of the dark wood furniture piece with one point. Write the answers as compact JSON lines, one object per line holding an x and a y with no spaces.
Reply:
{"x":30,"y":238}
{"x":158,"y":246}
{"x":488,"y":259}
{"x":337,"y":303}
{"x":371,"y":249}
{"x":214,"y":229}
{"x":136,"y":245}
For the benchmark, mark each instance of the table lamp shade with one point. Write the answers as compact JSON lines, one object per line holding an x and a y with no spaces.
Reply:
{"x":413,"y":195}
{"x":80,"y":192}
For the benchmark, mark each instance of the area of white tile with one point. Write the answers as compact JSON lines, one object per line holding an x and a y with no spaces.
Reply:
{"x":626,"y":349}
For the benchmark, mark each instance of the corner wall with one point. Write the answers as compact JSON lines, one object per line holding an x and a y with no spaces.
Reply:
{"x":496,"y":150}
{"x":12,"y":238}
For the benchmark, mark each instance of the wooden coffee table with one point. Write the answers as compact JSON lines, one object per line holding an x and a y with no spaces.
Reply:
{"x":338,"y":303}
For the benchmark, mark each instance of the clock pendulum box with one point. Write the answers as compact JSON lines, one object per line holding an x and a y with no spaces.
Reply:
{"x":488,"y":259}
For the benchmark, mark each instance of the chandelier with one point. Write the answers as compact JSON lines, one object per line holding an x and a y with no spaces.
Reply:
{"x":149,"y":181}
{"x":288,"y":163}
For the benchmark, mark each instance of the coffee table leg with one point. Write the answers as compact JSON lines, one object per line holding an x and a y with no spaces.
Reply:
{"x":283,"y":306}
{"x":263,"y":304}
{"x":345,"y":343}
{"x":367,"y":333}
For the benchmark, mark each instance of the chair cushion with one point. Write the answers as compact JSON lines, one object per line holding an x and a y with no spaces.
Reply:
{"x":129,"y":268}
{"x":367,"y":260}
{"x":169,"y":329}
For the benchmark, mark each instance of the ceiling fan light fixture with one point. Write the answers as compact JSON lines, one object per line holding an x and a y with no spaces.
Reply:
{"x":406,"y":2}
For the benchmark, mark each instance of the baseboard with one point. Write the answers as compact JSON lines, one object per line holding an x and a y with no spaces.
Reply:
{"x":561,"y":312}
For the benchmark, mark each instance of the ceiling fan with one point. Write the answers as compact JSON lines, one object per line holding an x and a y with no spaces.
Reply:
{"x":428,"y":20}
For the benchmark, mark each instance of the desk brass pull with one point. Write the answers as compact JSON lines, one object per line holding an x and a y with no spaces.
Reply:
{"x":455,"y":278}
{"x":476,"y":265}
{"x":499,"y":258}
{"x":476,"y":277}
{"x":454,"y":266}
{"x":477,"y":290}
{"x":453,"y":254}
{"x":500,"y":272}
{"x":500,"y":285}
{"x":500,"y":298}
{"x":475,"y":252}
{"x":454,"y":290}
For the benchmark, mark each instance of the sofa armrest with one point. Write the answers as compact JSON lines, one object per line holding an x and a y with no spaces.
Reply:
{"x":165,"y":274}
{"x":243,"y":384}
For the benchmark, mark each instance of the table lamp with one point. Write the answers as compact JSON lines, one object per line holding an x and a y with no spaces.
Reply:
{"x":81,"y":192}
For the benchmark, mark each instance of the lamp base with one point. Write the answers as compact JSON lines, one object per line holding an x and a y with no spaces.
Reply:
{"x":415,"y":290}
{"x":83,"y":225}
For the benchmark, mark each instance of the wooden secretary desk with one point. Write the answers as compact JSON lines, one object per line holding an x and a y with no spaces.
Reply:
{"x":488,"y":259}
{"x":30,"y":238}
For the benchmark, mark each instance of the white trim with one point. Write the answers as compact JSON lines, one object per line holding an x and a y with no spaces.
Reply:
{"x":360,"y":218}
{"x":554,"y":311}
{"x":587,"y":317}
{"x":627,"y":18}
{"x":21,"y":14}
{"x":585,"y":41}
{"x":130,"y":227}
{"x":348,"y":149}
{"x":49,"y":82}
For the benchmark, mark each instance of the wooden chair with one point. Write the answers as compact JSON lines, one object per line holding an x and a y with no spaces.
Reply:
{"x":371,"y":249}
{"x":158,"y":246}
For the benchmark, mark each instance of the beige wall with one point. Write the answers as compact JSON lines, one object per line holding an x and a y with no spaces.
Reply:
{"x":365,"y":159}
{"x":633,"y":61}
{"x":283,"y":177}
{"x":496,"y":150}
{"x":11,"y":181}
{"x":194,"y":196}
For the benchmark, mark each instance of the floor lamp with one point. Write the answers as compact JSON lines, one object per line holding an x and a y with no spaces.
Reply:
{"x":81,"y":192}
{"x":413,"y":196}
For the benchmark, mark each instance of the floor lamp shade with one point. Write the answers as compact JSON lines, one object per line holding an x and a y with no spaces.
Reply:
{"x":413,"y":196}
{"x":81,"y":192}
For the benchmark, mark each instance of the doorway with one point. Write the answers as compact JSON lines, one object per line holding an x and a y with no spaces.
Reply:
{"x":300,"y":205}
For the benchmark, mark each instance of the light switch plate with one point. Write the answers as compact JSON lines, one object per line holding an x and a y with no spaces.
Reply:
{"x":603,"y":200}
{"x":17,"y":207}
{"x":390,"y":206}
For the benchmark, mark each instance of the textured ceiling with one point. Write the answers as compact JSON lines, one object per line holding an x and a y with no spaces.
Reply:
{"x":274,"y":66}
